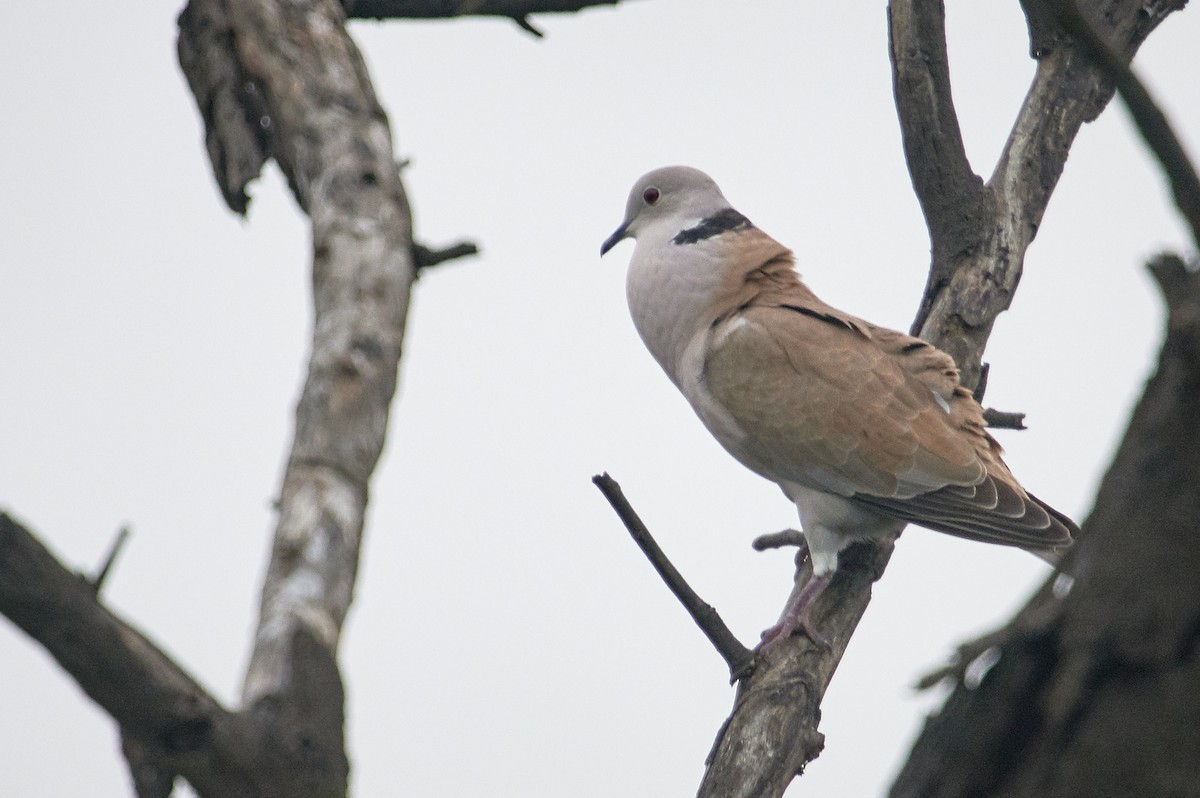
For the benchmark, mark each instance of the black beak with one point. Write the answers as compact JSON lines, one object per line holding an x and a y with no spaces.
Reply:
{"x":614,"y":239}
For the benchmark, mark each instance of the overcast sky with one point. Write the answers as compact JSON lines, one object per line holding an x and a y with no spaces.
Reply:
{"x":507,"y":638}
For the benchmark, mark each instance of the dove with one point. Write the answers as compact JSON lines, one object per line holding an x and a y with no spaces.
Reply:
{"x":865,"y":429}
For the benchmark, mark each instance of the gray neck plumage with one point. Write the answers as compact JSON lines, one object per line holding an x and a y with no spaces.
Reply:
{"x":674,"y":276}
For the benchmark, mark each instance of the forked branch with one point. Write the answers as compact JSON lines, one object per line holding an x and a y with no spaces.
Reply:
{"x":979,"y":233}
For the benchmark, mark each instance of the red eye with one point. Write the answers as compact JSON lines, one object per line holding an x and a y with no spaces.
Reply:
{"x":650,"y":195}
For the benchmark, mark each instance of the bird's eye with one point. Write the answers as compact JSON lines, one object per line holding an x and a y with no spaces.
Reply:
{"x":651,"y":195}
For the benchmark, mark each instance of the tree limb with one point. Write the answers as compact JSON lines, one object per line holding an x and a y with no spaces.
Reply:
{"x":155,"y":702}
{"x":169,"y":723}
{"x":772,"y":733}
{"x":736,"y":656}
{"x":976,"y":270}
{"x":951,"y":195}
{"x":127,"y":675}
{"x":777,"y":540}
{"x":424,"y":257}
{"x":979,"y":235}
{"x":1100,"y":701}
{"x":285,"y":81}
{"x":282,"y":81}
{"x":438,"y":9}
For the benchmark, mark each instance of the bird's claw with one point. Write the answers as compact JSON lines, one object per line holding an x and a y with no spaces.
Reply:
{"x":773,"y":635}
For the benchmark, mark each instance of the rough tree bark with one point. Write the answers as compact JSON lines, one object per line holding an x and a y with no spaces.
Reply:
{"x":282,"y":81}
{"x":979,"y":232}
{"x":1094,"y":692}
{"x":305,"y":100}
{"x":1091,"y":688}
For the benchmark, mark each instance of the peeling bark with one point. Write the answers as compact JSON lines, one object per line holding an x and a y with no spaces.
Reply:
{"x":282,"y":81}
{"x":306,"y":101}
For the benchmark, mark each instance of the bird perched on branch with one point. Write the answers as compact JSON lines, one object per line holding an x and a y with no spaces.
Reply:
{"x":864,"y":428}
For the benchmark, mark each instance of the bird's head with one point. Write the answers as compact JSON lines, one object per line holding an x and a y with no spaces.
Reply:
{"x":677,"y":197}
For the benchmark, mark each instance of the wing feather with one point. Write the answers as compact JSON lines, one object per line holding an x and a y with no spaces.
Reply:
{"x":832,"y":402}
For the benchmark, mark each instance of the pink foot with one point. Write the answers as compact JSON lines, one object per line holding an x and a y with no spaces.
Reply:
{"x":796,"y":615}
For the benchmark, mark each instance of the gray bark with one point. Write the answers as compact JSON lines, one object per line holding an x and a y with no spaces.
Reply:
{"x":979,"y":232}
{"x":307,"y":102}
{"x":282,"y":81}
{"x":1094,"y":692}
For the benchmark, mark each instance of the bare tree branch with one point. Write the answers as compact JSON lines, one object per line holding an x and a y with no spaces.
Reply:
{"x":777,"y":540}
{"x":1004,"y":419}
{"x":329,"y":135}
{"x":979,"y":235}
{"x":524,"y":24}
{"x":169,"y":723}
{"x":952,"y":196}
{"x":516,"y":10}
{"x":424,"y":257}
{"x":114,"y":551}
{"x":976,"y":270}
{"x":237,"y":121}
{"x":285,"y":81}
{"x":1100,"y":701}
{"x":282,"y":81}
{"x":736,"y":656}
{"x":123,"y":672}
{"x":772,"y":733}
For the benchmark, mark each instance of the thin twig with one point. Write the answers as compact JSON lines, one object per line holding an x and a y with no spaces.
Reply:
{"x":524,"y":24}
{"x":126,"y":674}
{"x":778,"y":540}
{"x":999,"y":419}
{"x":1004,"y":419}
{"x":445,"y":9}
{"x":736,"y":656}
{"x":97,"y":581}
{"x":424,"y":257}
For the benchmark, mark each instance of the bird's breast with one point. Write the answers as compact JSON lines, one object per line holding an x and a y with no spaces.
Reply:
{"x":669,"y":290}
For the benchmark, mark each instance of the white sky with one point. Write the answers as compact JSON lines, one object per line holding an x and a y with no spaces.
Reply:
{"x":507,"y":638}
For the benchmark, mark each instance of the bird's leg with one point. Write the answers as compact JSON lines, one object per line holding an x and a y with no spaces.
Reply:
{"x":796,"y":614}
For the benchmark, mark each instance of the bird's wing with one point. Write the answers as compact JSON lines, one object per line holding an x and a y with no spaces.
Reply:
{"x":997,"y":509}
{"x":822,"y":405}
{"x":831,"y":402}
